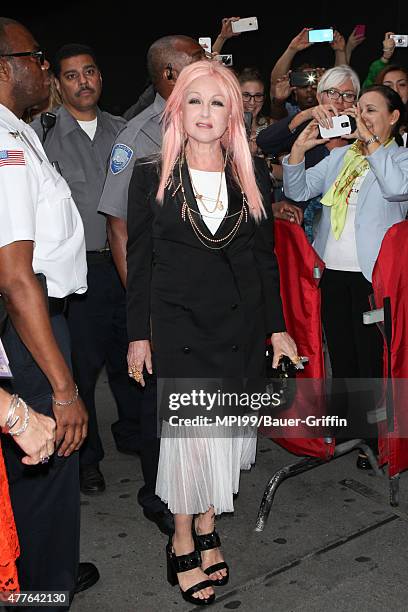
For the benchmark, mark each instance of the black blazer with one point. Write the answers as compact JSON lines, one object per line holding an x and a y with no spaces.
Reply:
{"x":216,"y":307}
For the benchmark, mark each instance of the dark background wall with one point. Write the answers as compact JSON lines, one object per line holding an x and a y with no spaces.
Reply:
{"x":122,"y":33}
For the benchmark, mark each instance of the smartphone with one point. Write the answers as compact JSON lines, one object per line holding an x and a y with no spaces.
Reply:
{"x":205,"y":42}
{"x":342,"y":124}
{"x":244,"y":25}
{"x":224,"y":59}
{"x":303,"y":78}
{"x":360,"y":30}
{"x":248,"y":122}
{"x":401,"y":40}
{"x":319,"y":36}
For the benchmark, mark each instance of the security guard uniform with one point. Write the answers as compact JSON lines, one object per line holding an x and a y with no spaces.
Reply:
{"x":141,"y":137}
{"x":97,"y":321}
{"x":36,"y":205}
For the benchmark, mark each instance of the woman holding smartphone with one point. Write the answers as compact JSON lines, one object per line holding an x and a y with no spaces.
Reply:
{"x":365,"y":191}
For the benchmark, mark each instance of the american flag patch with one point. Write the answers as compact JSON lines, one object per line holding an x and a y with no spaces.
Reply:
{"x":12,"y":158}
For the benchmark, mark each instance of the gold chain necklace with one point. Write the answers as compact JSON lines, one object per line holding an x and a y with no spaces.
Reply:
{"x":186,"y":212}
{"x":200,"y":197}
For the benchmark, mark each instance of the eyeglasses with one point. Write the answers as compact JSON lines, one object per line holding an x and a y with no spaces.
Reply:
{"x":247,"y":97}
{"x":347,"y":96}
{"x":39,"y":55}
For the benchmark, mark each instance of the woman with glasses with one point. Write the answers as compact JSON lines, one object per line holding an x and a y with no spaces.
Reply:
{"x":364,"y":190}
{"x":337,"y":89}
{"x":253,"y":97}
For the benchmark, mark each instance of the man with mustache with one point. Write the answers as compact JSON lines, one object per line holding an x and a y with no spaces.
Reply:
{"x":81,"y":141}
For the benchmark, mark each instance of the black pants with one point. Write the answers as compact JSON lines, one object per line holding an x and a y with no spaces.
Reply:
{"x":97,"y":325}
{"x":355,"y":349}
{"x":45,"y":498}
{"x":149,"y":447}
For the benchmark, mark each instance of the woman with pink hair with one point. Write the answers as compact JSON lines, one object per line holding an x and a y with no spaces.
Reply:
{"x":203,"y":291}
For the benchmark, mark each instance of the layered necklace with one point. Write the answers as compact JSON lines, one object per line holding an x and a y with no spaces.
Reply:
{"x":187,"y":213}
{"x":218,"y":205}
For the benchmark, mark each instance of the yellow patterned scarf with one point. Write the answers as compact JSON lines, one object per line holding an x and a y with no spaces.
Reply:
{"x":354,"y":165}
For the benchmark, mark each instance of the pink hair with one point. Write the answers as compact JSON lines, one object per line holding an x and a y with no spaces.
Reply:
{"x":234,"y":139}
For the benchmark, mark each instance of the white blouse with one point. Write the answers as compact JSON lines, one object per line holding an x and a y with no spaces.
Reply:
{"x":207,"y":184}
{"x":341,"y":254}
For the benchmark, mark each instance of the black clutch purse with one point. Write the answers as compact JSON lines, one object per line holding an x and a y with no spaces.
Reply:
{"x":282,"y":380}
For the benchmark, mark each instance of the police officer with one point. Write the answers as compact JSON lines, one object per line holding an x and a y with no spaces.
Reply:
{"x":142,"y":136}
{"x":81,"y":141}
{"x":41,"y":234}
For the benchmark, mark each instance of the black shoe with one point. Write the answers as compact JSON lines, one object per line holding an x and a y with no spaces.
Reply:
{"x":163,"y":519}
{"x":208,"y":541}
{"x":363,"y":463}
{"x":88,"y":575}
{"x":184,"y":563}
{"x":91,"y":480}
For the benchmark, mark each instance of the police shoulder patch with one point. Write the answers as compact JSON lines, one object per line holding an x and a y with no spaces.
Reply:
{"x":120,"y":157}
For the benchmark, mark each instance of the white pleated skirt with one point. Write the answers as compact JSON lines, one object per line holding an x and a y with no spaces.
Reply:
{"x":197,"y":472}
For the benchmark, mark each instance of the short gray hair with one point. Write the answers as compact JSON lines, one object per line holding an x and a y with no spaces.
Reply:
{"x":336,"y":76}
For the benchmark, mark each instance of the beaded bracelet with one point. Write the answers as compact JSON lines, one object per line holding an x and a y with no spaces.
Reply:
{"x":25,"y":421}
{"x":66,"y":402}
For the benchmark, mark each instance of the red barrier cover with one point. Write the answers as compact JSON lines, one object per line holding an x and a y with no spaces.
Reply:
{"x":390,"y":279}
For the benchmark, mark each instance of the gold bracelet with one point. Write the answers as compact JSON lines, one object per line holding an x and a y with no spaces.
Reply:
{"x":66,"y":402}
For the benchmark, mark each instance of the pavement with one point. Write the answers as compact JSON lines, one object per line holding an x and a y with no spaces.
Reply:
{"x":332,"y":541}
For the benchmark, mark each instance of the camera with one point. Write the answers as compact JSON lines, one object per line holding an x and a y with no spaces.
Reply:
{"x":343,"y":124}
{"x":224,"y":59}
{"x":401,"y":40}
{"x":303,"y":78}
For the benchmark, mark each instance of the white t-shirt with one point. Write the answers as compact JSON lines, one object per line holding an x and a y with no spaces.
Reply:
{"x":341,"y":254}
{"x":207,"y":184}
{"x":36,"y":205}
{"x":89,"y":127}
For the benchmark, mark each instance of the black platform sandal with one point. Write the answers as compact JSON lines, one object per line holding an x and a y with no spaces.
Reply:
{"x":208,"y":541}
{"x":184,"y":563}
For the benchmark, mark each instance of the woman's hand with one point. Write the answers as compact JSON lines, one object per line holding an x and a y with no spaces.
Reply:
{"x":288,"y":212}
{"x":283,"y":344}
{"x":226,"y":28}
{"x":323,"y":114}
{"x":306,"y":140}
{"x":283,"y":88}
{"x":301,"y":41}
{"x":38,"y":440}
{"x":388,"y":46}
{"x":339,"y":43}
{"x":139,"y":355}
{"x":353,"y":41}
{"x":362,"y":132}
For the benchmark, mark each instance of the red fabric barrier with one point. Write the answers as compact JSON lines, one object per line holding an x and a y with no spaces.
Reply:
{"x":301,"y":306}
{"x":390,"y":279}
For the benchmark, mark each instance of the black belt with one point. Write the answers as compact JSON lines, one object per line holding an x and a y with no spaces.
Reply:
{"x":56,"y":306}
{"x":102,"y":256}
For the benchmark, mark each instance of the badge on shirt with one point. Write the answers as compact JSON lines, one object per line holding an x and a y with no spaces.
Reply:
{"x":121,"y":156}
{"x":12,"y":158}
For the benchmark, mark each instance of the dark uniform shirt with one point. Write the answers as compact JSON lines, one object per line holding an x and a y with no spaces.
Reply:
{"x":83,"y":163}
